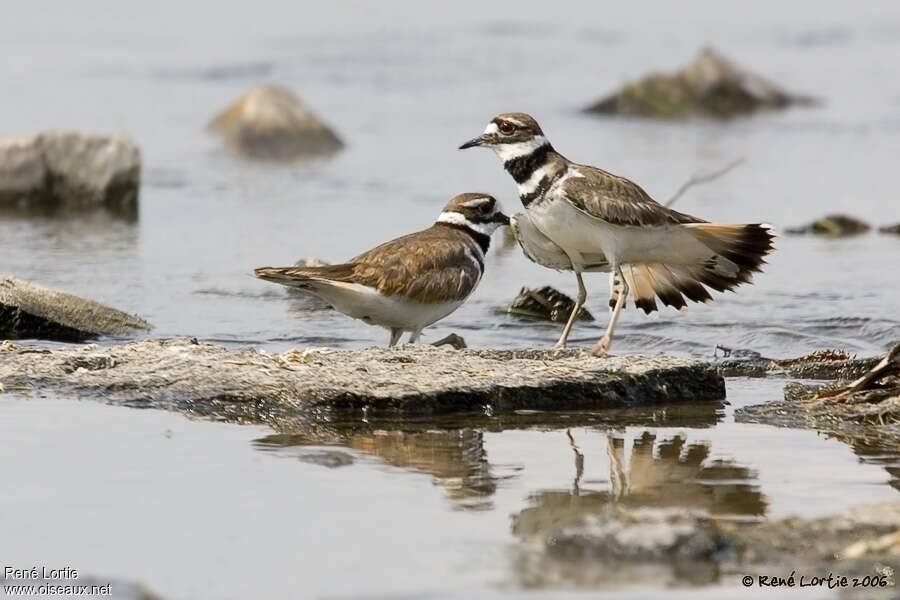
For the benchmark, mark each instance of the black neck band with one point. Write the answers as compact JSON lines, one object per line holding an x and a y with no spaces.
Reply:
{"x":522,"y":167}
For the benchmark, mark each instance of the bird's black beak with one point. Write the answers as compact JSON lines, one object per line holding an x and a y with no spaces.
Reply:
{"x":501,"y":218}
{"x":474,"y":142}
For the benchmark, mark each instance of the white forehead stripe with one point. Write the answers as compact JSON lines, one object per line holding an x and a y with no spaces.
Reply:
{"x":477,"y":202}
{"x":491,"y":128}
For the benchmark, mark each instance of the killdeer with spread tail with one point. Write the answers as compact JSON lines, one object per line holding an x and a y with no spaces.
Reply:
{"x":582,"y":218}
{"x":408,"y":283}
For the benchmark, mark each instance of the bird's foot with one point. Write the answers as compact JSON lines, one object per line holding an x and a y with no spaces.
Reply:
{"x":561,"y":344}
{"x":601,"y":348}
{"x":453,"y":340}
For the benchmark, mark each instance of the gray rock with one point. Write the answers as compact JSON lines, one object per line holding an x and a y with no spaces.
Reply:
{"x":422,"y":380}
{"x":70,"y":170}
{"x":821,"y":364}
{"x":23,"y":173}
{"x":28,"y":310}
{"x":833,"y":226}
{"x":710,"y":86}
{"x":890,"y":229}
{"x":670,"y":546}
{"x":639,"y":535}
{"x":271,"y":123}
{"x":331,"y":459}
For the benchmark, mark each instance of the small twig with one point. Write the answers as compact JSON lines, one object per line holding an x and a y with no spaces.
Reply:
{"x":706,"y":177}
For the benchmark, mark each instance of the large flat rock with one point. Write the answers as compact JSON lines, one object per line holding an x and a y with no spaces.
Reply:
{"x":32,"y":311}
{"x":241,"y":385}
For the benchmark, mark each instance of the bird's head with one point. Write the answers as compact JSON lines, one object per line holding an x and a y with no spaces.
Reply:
{"x":478,"y":212}
{"x":510,"y":135}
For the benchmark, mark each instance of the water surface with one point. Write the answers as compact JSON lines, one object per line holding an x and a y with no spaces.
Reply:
{"x":434,"y":509}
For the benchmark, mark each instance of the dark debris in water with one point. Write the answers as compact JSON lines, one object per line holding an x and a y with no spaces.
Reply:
{"x":546,"y":303}
{"x":863,"y":402}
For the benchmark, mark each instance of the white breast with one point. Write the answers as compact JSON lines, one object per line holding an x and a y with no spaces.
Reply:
{"x":542,"y":250}
{"x":581,"y":235}
{"x":362,"y":302}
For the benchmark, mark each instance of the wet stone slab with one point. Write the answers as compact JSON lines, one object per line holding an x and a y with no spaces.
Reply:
{"x":29,"y":310}
{"x":247,"y":385}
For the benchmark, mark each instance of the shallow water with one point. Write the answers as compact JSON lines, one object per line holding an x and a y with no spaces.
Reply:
{"x":437,"y":509}
{"x":429,"y":509}
{"x":403,"y":94}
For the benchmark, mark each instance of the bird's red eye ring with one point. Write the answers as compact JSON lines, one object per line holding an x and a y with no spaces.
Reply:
{"x":506,"y":127}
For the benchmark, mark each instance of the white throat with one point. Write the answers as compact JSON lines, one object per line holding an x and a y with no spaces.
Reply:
{"x":508,"y":152}
{"x":455,"y":218}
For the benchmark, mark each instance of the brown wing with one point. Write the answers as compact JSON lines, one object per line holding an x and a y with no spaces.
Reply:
{"x":439,"y":263}
{"x":618,"y":200}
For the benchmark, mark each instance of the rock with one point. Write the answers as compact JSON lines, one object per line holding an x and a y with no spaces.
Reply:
{"x":70,"y":170}
{"x":247,"y":385}
{"x":872,"y":400}
{"x":331,"y":459}
{"x":710,"y":86}
{"x":847,"y":536}
{"x":614,"y":545}
{"x":821,"y":364}
{"x":639,"y":535}
{"x":545,"y":303}
{"x":833,"y":226}
{"x":890,"y":229}
{"x":271,"y":123}
{"x":28,"y":310}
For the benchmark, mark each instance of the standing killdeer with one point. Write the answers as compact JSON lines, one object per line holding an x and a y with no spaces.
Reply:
{"x":410,"y":282}
{"x":582,"y":218}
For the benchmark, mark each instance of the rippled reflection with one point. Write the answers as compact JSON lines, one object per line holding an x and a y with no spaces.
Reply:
{"x":657,"y":473}
{"x":645,"y":471}
{"x":453,"y":449}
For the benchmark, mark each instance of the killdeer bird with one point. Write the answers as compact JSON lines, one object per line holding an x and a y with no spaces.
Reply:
{"x":408,"y":283}
{"x":582,"y":218}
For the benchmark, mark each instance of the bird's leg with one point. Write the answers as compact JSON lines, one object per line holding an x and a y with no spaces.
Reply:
{"x":579,"y":302}
{"x":414,"y":336}
{"x":602,"y":347}
{"x":395,"y":337}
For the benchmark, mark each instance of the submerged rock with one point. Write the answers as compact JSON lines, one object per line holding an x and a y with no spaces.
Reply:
{"x":833,"y":226}
{"x":613,"y":545}
{"x":413,"y":380}
{"x":29,"y":311}
{"x":546,"y":303}
{"x":710,"y":86}
{"x":645,"y":535}
{"x":70,"y":170}
{"x":271,"y":123}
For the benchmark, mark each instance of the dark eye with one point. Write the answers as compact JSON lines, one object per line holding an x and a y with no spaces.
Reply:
{"x":506,"y":127}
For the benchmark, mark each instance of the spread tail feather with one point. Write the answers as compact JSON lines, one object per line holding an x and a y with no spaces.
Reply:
{"x":734,"y":253}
